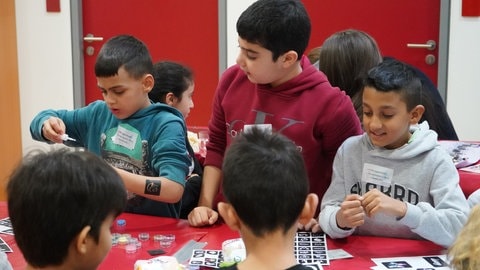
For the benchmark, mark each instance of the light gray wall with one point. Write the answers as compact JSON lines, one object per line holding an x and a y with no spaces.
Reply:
{"x":44,"y":62}
{"x":463,"y":88}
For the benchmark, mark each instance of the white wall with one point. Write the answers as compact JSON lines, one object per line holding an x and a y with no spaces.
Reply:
{"x":463,"y":86}
{"x":44,"y":60}
{"x":45,"y":64}
{"x":234,"y":9}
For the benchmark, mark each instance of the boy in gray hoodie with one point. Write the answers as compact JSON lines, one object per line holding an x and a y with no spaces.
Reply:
{"x":394,"y":180}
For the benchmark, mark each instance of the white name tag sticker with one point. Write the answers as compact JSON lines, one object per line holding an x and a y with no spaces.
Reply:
{"x":377,"y":174}
{"x":265,"y":127}
{"x":125,"y":138}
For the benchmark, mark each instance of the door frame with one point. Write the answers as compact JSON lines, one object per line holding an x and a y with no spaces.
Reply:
{"x":443,"y":48}
{"x":77,"y":53}
{"x":78,"y":45}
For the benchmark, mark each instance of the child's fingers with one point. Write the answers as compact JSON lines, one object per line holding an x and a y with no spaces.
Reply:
{"x":52,"y":129}
{"x":353,"y":197}
{"x":57,"y":125}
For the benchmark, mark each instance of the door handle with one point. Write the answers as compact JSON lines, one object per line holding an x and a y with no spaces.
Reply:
{"x":92,"y":38}
{"x":430,"y":45}
{"x":90,"y":50}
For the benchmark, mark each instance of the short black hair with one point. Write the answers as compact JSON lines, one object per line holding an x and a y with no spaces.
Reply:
{"x":394,"y":75}
{"x":265,"y":180}
{"x":123,"y":51}
{"x":53,"y":195}
{"x":170,"y":77}
{"x":277,"y":25}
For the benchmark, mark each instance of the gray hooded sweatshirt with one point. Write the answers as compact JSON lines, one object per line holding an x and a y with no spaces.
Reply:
{"x":419,"y":173}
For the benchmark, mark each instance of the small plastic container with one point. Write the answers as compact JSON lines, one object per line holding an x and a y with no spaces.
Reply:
{"x":120,"y":225}
{"x":164,"y":240}
{"x":134,"y":241}
{"x":203,"y":139}
{"x":144,"y":236}
{"x":131,"y":248}
{"x":123,"y":240}
{"x":115,"y":237}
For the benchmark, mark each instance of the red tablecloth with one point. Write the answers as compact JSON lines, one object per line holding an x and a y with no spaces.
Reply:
{"x":469,"y":182}
{"x":363,"y":248}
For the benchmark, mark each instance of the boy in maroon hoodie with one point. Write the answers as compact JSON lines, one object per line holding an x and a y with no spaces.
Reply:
{"x":274,"y":86}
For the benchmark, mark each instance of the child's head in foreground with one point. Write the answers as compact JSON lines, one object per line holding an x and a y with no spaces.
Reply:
{"x":62,"y":204}
{"x":392,"y":96}
{"x":124,"y":75}
{"x":265,"y":184}
{"x":174,"y":86}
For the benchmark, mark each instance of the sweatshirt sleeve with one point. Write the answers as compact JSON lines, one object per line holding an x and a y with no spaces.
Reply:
{"x":332,"y":199}
{"x":37,"y":124}
{"x":341,"y":123}
{"x":170,"y":157}
{"x":442,"y":221}
{"x":76,"y":122}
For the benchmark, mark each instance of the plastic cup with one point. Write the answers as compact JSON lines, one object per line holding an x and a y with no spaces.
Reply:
{"x":131,"y":248}
{"x":164,"y":240}
{"x":203,"y":139}
{"x":145,"y":236}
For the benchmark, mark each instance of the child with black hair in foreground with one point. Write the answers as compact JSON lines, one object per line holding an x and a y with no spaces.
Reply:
{"x":394,"y":181}
{"x":62,"y":205}
{"x":266,"y":189}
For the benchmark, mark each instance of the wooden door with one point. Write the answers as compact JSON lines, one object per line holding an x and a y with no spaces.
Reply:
{"x":393,"y":24}
{"x":180,"y":30}
{"x":10,"y":137}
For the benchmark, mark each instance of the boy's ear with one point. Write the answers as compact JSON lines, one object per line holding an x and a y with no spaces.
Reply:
{"x":229,"y":215}
{"x":289,"y":58}
{"x":309,"y":209}
{"x":81,"y":241}
{"x":416,"y":114}
{"x":148,"y":82}
{"x":170,"y":99}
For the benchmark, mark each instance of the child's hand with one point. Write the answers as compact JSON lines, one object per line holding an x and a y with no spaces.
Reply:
{"x":312,"y":226}
{"x":351,"y":212}
{"x":202,"y":216}
{"x":375,"y":202}
{"x":52,"y":129}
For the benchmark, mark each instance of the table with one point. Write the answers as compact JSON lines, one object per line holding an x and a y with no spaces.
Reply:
{"x":361,"y":247}
{"x":118,"y":259}
{"x":469,"y":182}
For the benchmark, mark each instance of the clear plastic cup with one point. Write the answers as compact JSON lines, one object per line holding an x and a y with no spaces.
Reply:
{"x":131,"y":248}
{"x":203,"y":139}
{"x":145,"y":236}
{"x":164,"y":240}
